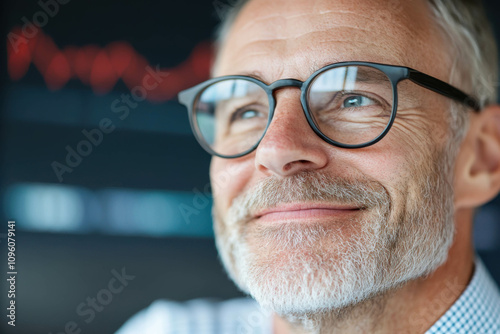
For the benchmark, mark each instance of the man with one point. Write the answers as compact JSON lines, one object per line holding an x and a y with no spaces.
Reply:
{"x":344,"y":195}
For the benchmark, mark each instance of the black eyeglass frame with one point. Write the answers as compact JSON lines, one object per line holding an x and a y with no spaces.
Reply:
{"x":395,"y":74}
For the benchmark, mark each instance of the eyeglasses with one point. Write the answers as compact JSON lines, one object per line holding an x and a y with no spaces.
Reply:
{"x":348,"y":104}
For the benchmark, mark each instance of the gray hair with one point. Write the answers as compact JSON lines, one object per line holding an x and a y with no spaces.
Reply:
{"x":466,"y":27}
{"x":475,"y":67}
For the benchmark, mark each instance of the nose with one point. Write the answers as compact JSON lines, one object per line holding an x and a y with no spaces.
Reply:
{"x":290,"y":146}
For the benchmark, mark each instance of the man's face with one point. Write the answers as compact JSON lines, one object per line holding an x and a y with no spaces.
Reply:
{"x":305,"y":226}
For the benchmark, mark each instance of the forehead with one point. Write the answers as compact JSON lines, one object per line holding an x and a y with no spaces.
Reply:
{"x":293,"y":38}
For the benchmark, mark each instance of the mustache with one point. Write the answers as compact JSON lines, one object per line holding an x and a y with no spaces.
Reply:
{"x":308,"y":186}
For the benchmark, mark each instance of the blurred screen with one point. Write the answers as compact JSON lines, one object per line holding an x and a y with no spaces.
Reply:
{"x":94,"y":140}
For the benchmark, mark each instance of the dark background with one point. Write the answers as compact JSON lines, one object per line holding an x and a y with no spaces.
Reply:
{"x":124,"y":205}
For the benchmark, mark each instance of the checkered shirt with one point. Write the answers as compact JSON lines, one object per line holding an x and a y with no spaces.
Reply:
{"x":476,"y":311}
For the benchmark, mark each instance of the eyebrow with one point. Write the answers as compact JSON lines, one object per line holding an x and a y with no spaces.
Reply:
{"x":256,"y":75}
{"x":312,"y":68}
{"x":319,"y":65}
{"x":372,"y":76}
{"x":315,"y":66}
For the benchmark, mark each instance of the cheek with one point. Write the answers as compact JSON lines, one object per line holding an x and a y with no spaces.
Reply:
{"x":408,"y":149}
{"x":383,"y":162}
{"x":422,"y":128}
{"x":228,"y":178}
{"x":395,"y":165}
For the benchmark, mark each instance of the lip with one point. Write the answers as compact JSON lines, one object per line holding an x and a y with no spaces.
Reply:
{"x":304,"y":211}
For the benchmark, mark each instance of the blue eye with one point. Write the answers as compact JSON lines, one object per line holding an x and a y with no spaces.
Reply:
{"x":357,"y":101}
{"x":248,"y":114}
{"x":245,"y":114}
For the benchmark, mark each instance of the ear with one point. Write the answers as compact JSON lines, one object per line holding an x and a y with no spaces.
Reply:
{"x":477,"y":168}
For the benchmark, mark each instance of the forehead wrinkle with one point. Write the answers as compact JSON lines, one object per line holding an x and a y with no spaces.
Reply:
{"x":289,"y":32}
{"x":282,"y":16}
{"x":265,"y":42}
{"x":342,"y":34}
{"x":256,"y":20}
{"x":353,"y":35}
{"x":289,"y":26}
{"x":300,"y":16}
{"x":341,"y":41}
{"x":394,"y":56}
{"x":274,"y":57}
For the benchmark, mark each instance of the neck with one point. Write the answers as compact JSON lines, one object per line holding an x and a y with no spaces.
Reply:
{"x":412,"y":308}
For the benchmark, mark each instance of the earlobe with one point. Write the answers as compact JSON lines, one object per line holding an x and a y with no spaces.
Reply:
{"x":477,"y":169}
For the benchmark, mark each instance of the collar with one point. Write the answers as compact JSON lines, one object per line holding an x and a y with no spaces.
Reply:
{"x":476,"y":311}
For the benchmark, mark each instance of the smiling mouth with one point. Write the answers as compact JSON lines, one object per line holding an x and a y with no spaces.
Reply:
{"x":304,"y":212}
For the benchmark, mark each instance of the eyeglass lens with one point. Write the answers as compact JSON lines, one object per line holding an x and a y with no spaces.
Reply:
{"x":351,"y":105}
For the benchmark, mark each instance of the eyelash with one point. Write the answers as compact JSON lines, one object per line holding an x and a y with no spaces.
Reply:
{"x":240,"y":110}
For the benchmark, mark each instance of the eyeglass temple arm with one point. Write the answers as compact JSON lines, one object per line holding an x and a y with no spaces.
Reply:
{"x":443,"y":88}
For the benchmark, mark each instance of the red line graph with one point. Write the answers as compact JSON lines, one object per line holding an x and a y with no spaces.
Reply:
{"x":100,"y":67}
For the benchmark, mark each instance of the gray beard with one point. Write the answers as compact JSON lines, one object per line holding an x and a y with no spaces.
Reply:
{"x":316,"y":273}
